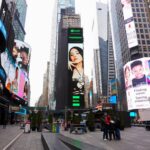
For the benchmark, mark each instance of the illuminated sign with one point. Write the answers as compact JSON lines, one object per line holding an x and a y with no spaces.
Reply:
{"x":76,"y":74}
{"x":75,"y":35}
{"x":113,"y":99}
{"x":137,"y":83}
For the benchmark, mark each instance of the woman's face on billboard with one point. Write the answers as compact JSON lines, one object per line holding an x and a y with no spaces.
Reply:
{"x":24,"y":57}
{"x":75,"y":56}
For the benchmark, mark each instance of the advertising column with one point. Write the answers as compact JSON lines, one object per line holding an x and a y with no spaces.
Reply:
{"x":75,"y":68}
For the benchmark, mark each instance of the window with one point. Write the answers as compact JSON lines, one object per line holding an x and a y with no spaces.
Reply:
{"x":141,"y":30}
{"x":145,"y":25}
{"x":142,"y":36}
{"x":145,"y":55}
{"x":143,"y":42}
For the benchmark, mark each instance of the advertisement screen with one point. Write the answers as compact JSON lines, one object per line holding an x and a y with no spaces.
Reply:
{"x":113,"y":99}
{"x":113,"y":86}
{"x":21,"y":54}
{"x":76,"y":73}
{"x":16,"y":78}
{"x":133,"y":114}
{"x":129,"y":24}
{"x":137,"y":83}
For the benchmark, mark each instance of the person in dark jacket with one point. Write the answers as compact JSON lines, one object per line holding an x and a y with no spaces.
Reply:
{"x":117,"y":129}
{"x":112,"y":130}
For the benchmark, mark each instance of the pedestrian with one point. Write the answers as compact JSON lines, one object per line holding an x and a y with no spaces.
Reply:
{"x":117,"y":129}
{"x":4,"y":119}
{"x":112,"y":130}
{"x":105,"y":125}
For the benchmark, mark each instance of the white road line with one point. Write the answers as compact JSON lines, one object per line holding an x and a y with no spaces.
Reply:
{"x":9,"y":144}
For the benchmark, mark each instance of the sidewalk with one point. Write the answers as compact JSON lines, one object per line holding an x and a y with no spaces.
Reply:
{"x":135,"y":138}
{"x":8,"y":134}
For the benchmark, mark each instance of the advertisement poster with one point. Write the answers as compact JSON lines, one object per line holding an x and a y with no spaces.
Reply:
{"x":76,"y":74}
{"x":137,"y":83}
{"x":76,"y":67}
{"x":16,"y":78}
{"x":21,"y":54}
{"x":129,"y":24}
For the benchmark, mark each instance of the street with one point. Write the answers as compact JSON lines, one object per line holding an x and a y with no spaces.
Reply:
{"x":135,"y":138}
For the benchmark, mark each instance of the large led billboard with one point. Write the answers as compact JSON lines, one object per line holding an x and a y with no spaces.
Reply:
{"x":129,"y":24}
{"x":137,"y":83}
{"x":16,"y":78}
{"x":76,"y":74}
{"x":21,"y":54}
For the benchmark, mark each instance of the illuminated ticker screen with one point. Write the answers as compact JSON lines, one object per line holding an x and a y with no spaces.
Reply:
{"x":75,"y":35}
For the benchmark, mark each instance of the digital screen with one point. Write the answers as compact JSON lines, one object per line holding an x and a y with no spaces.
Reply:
{"x":16,"y":78}
{"x":21,"y":54}
{"x":113,"y":99}
{"x":137,"y":83}
{"x":76,"y":74}
{"x":133,"y":114}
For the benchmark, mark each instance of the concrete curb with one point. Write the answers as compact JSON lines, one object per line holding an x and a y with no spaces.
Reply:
{"x":11,"y":142}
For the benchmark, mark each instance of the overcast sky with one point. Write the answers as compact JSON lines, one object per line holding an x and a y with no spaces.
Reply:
{"x":38,"y":36}
{"x":38,"y":28}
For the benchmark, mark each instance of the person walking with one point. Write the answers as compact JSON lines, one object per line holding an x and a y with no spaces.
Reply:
{"x":105,"y":127}
{"x":112,"y":130}
{"x":117,"y":129}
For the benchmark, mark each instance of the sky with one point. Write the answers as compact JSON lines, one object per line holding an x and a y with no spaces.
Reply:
{"x":38,"y":35}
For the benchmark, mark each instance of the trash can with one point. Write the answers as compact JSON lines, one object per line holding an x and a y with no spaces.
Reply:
{"x":27,"y":127}
{"x":57,"y":127}
{"x":54,"y":128}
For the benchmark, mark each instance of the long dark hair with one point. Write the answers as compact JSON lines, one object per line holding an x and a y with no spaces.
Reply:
{"x":80,"y":50}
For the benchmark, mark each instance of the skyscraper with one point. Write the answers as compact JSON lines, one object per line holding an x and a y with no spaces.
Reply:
{"x":67,"y":20}
{"x":60,"y":4}
{"x":19,"y":19}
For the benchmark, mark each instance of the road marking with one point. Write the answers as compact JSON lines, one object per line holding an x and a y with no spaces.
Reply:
{"x":9,"y":144}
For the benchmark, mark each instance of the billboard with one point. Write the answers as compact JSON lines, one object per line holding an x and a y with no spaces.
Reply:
{"x":129,"y":24}
{"x":137,"y":83}
{"x":113,"y":86}
{"x":76,"y":73}
{"x":113,"y":99}
{"x":21,"y":54}
{"x":16,"y":78}
{"x":144,"y":114}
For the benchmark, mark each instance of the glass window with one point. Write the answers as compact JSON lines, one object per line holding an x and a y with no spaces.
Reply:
{"x":145,"y":25}
{"x":141,"y":30}
{"x":148,"y":41}
{"x":145,"y":55}
{"x":140,"y":25}
{"x":147,"y":36}
{"x":142,"y":36}
{"x":144,"y":19}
